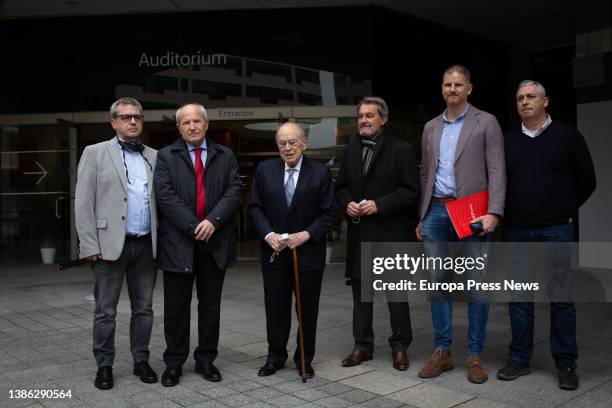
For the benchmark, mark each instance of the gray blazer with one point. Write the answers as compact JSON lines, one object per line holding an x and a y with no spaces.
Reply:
{"x":480,"y":164}
{"x":101,"y":200}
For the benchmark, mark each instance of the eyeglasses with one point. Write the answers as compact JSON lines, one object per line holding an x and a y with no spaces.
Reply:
{"x":129,"y":118}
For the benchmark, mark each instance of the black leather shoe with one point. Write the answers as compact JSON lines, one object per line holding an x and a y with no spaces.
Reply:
{"x":568,"y":380}
{"x":512,"y":370}
{"x":309,"y":371}
{"x":171,"y":376}
{"x":268,"y":369}
{"x":104,"y":378}
{"x":145,"y":372}
{"x":208,"y":371}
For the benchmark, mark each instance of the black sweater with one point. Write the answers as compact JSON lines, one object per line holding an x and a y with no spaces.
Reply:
{"x":549,"y":176}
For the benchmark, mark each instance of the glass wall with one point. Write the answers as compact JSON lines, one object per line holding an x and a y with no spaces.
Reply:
{"x":39,"y":165}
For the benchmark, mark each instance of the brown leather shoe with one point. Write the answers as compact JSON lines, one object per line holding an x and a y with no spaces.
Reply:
{"x":356,"y":358}
{"x":400,"y":360}
{"x":440,"y":361}
{"x":476,"y":370}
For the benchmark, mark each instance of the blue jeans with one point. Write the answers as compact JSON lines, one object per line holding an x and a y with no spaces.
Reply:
{"x":437,"y":231}
{"x":563,"y":345}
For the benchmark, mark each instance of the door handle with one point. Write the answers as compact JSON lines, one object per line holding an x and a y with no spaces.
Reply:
{"x":57,"y":200}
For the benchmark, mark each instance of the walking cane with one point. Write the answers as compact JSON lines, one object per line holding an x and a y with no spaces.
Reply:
{"x":298,"y":310}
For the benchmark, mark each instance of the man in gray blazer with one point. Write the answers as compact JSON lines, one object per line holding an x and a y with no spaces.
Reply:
{"x":116,"y":221}
{"x":462,"y":154}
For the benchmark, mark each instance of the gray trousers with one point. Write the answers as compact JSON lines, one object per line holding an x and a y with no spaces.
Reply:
{"x":136,"y":264}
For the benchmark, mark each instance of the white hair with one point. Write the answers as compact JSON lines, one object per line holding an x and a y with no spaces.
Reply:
{"x":176,"y":115}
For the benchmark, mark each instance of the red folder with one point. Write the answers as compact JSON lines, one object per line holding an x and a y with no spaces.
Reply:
{"x":463,"y":210}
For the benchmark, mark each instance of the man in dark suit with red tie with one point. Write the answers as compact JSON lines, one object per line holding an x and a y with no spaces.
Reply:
{"x":198,"y":190}
{"x":291,"y":195}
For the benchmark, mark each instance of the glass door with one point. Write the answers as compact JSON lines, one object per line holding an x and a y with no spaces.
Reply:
{"x":68,"y":245}
{"x":37,"y":179}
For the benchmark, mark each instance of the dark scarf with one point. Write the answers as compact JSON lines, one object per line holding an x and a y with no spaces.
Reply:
{"x":367,"y":150}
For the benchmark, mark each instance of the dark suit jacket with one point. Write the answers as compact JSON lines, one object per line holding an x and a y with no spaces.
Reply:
{"x":312,"y":209}
{"x":175,"y":188}
{"x":392,"y":182}
{"x":479,"y":165}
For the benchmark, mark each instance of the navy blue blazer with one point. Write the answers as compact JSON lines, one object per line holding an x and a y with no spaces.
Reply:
{"x":312,"y":209}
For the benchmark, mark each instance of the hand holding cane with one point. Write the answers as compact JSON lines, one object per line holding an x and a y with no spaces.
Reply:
{"x":298,"y":310}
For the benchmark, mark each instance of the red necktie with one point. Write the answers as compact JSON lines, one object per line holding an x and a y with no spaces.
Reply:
{"x":200,"y":190}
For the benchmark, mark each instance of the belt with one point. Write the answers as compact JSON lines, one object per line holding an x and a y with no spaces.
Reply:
{"x":445,"y":199}
{"x":128,"y":236}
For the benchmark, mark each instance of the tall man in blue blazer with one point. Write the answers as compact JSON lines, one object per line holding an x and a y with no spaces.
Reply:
{"x":198,"y":191}
{"x":291,"y":195}
{"x":116,"y":220}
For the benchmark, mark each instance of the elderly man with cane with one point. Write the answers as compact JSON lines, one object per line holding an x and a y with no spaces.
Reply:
{"x":292,"y":206}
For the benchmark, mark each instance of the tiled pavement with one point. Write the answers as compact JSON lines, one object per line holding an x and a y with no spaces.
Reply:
{"x":45,"y":344}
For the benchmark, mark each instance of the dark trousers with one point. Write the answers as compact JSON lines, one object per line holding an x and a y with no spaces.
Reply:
{"x":278,"y":293}
{"x":399,"y":315}
{"x":178,"y":288}
{"x":563,"y":345}
{"x":136,"y":264}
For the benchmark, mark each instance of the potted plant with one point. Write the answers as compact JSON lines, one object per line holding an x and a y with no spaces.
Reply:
{"x":48,"y":248}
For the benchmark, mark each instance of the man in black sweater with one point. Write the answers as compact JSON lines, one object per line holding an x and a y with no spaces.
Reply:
{"x":550,"y":175}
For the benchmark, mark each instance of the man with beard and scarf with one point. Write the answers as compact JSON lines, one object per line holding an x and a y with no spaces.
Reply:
{"x":377,"y":188}
{"x":116,"y":219}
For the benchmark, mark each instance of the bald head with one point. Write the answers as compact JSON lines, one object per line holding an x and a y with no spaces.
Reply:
{"x":291,"y":141}
{"x":290,"y":127}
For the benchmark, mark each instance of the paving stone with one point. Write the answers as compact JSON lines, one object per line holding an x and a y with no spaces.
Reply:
{"x":332,"y":370}
{"x":290,"y":387}
{"x":209,"y":404}
{"x":483,"y":403}
{"x":379,"y":383}
{"x":269,"y":380}
{"x":264,"y":393}
{"x":144,"y":397}
{"x":54,"y":352}
{"x":430,"y":396}
{"x":310,"y":394}
{"x":188,"y":398}
{"x":285,"y":401}
{"x":598,"y":397}
{"x":219,"y":391}
{"x":260,"y":404}
{"x":333,"y":402}
{"x":240,"y":357}
{"x":243,"y":386}
{"x":358,"y":396}
{"x":238,"y":400}
{"x":335,"y":388}
{"x":165,"y":403}
{"x":382,"y":402}
{"x":259,"y":349}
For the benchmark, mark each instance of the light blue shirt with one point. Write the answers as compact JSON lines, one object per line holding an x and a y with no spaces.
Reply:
{"x":138,"y":217}
{"x":202,"y":156}
{"x":445,"y":173}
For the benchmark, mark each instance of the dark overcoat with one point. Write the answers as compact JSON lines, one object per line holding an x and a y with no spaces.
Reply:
{"x":175,"y":188}
{"x":392,"y":182}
